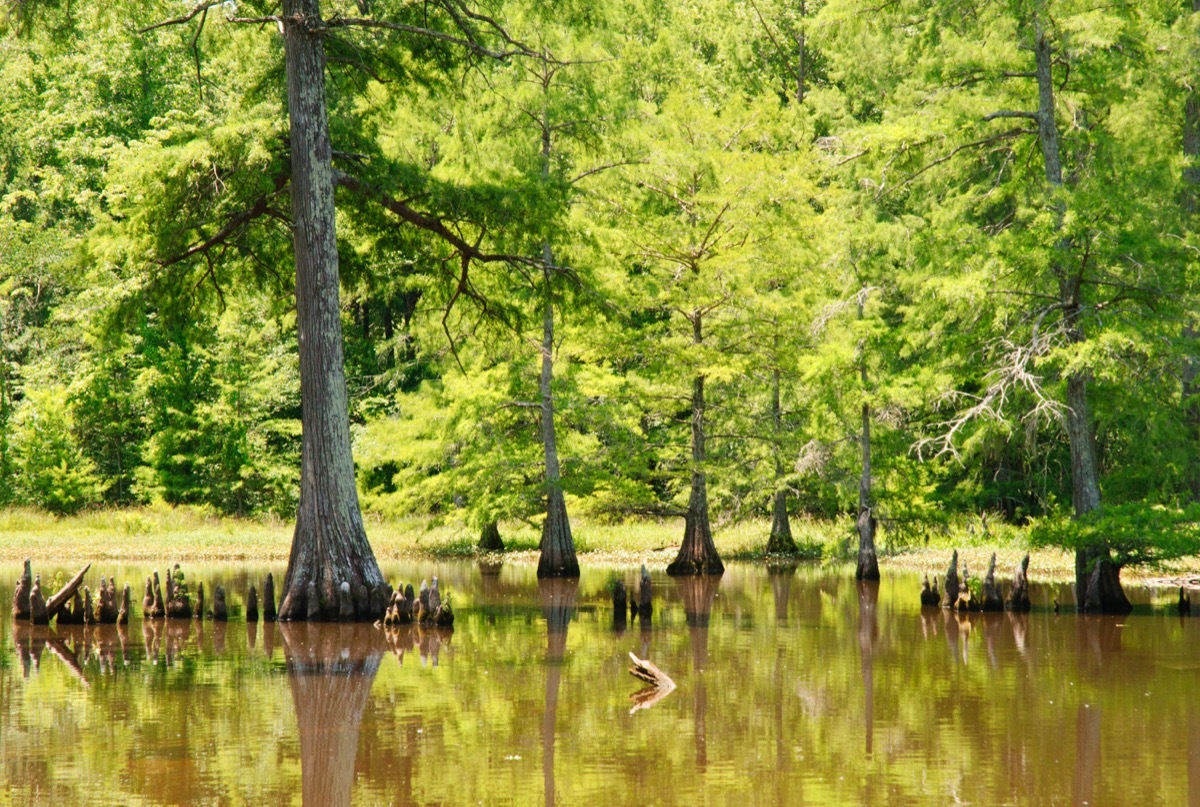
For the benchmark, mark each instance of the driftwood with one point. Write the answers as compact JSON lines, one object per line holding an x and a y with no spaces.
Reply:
{"x":220,"y":614}
{"x":992,"y":601}
{"x":950,"y":598}
{"x":269,"y":598}
{"x":252,"y":605}
{"x":660,"y":684}
{"x":59,"y":600}
{"x":20,"y":608}
{"x":1018,"y":598}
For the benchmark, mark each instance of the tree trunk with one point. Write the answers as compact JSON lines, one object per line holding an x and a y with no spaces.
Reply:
{"x":868,"y":562}
{"x":558,"y":547}
{"x":1191,"y":205}
{"x":781,"y":541}
{"x":801,"y":57}
{"x":1081,"y":436}
{"x":489,"y":539}
{"x":698,"y":553}
{"x":330,"y":544}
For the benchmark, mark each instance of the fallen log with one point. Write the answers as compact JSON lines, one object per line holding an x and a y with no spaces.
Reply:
{"x":648,"y":671}
{"x":65,"y":594}
{"x":660,"y":684}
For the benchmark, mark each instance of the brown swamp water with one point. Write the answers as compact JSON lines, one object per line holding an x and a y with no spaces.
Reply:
{"x":793,"y":688}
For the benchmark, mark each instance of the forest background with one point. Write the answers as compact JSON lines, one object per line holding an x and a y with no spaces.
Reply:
{"x":840,"y":221}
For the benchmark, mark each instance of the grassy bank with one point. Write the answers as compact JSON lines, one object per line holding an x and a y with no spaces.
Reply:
{"x":192,"y":535}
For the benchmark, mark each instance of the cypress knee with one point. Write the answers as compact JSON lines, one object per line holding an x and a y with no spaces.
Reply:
{"x":220,"y":612}
{"x":123,"y":611}
{"x":950,"y":595}
{"x":252,"y":605}
{"x":37,"y":604}
{"x":269,"y":598}
{"x":20,"y":608}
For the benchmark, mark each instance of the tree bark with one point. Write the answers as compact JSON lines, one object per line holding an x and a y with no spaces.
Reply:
{"x":1081,"y":435}
{"x":801,"y":57}
{"x":329,"y":545}
{"x":489,"y":539}
{"x":697,"y":553}
{"x":868,"y":562}
{"x":558,"y":547}
{"x":781,"y":541}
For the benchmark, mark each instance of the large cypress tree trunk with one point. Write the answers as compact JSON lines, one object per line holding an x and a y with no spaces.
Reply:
{"x":329,"y":546}
{"x":1081,"y":436}
{"x":698,"y":553}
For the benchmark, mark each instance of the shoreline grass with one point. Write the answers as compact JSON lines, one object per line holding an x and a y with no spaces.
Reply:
{"x":193,"y":535}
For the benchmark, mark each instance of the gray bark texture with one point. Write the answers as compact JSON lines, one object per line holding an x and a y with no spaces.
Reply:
{"x":330,"y":543}
{"x":868,"y":562}
{"x":781,"y":541}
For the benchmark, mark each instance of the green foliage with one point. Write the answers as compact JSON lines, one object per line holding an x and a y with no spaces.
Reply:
{"x":51,"y":470}
{"x":1136,"y":534}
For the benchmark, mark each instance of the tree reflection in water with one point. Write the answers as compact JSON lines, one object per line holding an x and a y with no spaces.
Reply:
{"x":557,"y":596}
{"x":330,"y":667}
{"x":698,"y":593}
{"x":868,"y":632}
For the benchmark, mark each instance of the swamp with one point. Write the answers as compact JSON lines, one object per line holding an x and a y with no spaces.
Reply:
{"x":795,"y":685}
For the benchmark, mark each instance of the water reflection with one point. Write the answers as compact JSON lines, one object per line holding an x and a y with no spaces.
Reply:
{"x":557,"y":597}
{"x":817,"y":690}
{"x":330,"y":668}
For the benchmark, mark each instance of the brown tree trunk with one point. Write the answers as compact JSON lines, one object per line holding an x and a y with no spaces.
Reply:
{"x":801,"y":57}
{"x":697,"y":553}
{"x":868,"y":562}
{"x":1191,"y":205}
{"x":1081,"y":435}
{"x":781,"y":541}
{"x":558,"y":547}
{"x":489,"y":539}
{"x":329,"y":545}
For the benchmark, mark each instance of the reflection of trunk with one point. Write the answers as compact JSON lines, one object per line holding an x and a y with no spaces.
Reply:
{"x":331,"y":669}
{"x":1194,"y":761}
{"x":698,"y":553}
{"x":781,"y":588}
{"x":558,"y":607}
{"x":698,"y":593}
{"x":781,"y":541}
{"x":868,"y":631}
{"x":330,"y":543}
{"x":1087,"y":753}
